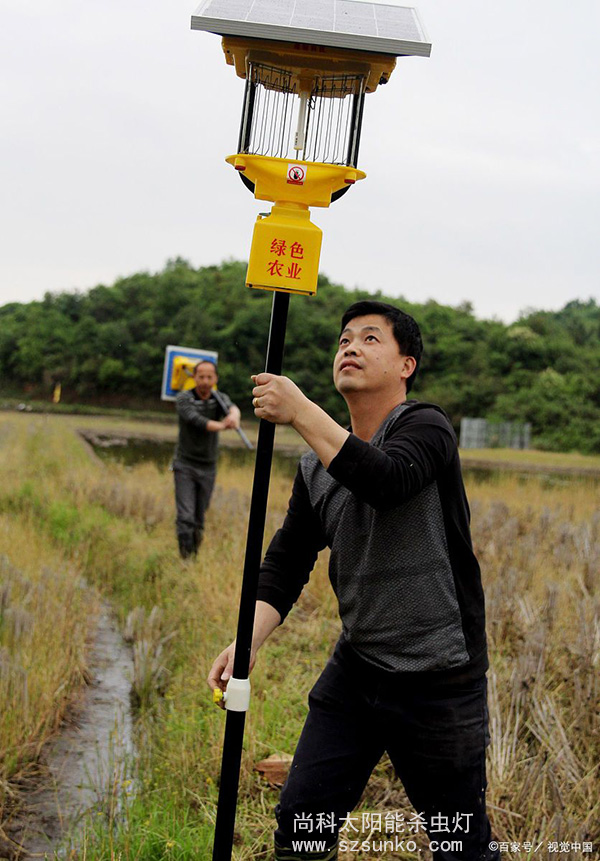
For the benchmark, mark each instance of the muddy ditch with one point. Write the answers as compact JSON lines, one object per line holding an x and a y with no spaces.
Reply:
{"x":87,"y":767}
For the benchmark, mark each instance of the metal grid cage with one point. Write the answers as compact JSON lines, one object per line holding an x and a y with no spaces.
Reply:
{"x":322,"y":125}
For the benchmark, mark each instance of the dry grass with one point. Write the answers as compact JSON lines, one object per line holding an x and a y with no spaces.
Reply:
{"x":146,"y":632}
{"x":538,"y":543}
{"x":553,"y":459}
{"x":46,"y":612}
{"x":543,"y":605}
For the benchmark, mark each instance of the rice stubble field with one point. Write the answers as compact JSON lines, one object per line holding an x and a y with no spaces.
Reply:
{"x":75,"y":531}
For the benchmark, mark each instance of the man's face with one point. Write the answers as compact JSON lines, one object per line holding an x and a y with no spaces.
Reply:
{"x":368,"y":357}
{"x":205,"y":377}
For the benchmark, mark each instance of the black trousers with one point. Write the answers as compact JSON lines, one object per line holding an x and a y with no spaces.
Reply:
{"x":435,"y":736}
{"x":193,"y":490}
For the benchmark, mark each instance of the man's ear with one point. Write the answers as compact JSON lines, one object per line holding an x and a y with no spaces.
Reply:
{"x":409,"y":366}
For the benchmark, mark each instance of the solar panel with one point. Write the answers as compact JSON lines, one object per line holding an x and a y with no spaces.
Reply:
{"x":350,"y":24}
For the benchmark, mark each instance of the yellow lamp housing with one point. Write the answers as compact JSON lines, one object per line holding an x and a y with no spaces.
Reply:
{"x":306,"y":63}
{"x":302,"y":183}
{"x":286,"y":245}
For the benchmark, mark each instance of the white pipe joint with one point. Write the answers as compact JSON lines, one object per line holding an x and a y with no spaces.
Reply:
{"x":237,"y":695}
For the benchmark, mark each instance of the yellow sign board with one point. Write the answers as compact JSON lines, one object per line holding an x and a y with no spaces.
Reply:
{"x":182,"y":373}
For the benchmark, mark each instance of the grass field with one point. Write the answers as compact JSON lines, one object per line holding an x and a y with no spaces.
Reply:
{"x":73,"y":529}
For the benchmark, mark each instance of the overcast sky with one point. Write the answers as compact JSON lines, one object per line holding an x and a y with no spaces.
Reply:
{"x":483,"y":177}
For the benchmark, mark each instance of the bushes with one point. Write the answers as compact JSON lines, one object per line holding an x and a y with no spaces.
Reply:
{"x":109,"y":344}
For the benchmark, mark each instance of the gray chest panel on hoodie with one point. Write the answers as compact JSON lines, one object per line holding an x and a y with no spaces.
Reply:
{"x":391,"y":573}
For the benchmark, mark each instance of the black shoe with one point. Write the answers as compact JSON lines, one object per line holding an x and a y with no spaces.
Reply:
{"x":198,"y":536}
{"x":187,"y":546}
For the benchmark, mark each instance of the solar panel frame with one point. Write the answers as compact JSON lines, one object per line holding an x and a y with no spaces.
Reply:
{"x":351,"y":24}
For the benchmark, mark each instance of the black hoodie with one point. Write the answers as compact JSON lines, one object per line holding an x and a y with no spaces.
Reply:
{"x":395,"y":514}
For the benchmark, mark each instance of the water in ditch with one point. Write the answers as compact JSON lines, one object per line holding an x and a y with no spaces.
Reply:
{"x":88,"y":766}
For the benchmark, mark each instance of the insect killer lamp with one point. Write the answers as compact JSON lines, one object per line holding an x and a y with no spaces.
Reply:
{"x":308,"y":67}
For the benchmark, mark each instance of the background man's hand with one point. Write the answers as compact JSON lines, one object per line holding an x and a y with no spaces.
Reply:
{"x":277,"y":399}
{"x":231,"y":421}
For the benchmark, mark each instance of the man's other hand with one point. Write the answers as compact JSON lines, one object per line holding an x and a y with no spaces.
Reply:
{"x":213,"y":426}
{"x":222,"y":669}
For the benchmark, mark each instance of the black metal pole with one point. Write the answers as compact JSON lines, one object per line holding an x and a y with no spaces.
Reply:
{"x":234,"y":725}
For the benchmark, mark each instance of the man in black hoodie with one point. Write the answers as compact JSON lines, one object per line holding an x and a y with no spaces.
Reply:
{"x":408,"y":673}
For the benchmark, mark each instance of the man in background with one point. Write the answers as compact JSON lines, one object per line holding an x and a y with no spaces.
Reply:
{"x":201,"y":416}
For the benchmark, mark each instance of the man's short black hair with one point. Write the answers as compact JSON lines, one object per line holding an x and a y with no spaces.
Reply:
{"x":205,"y":362}
{"x":405,"y":328}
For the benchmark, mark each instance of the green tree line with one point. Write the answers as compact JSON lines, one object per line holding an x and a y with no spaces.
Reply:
{"x":107,"y":346}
